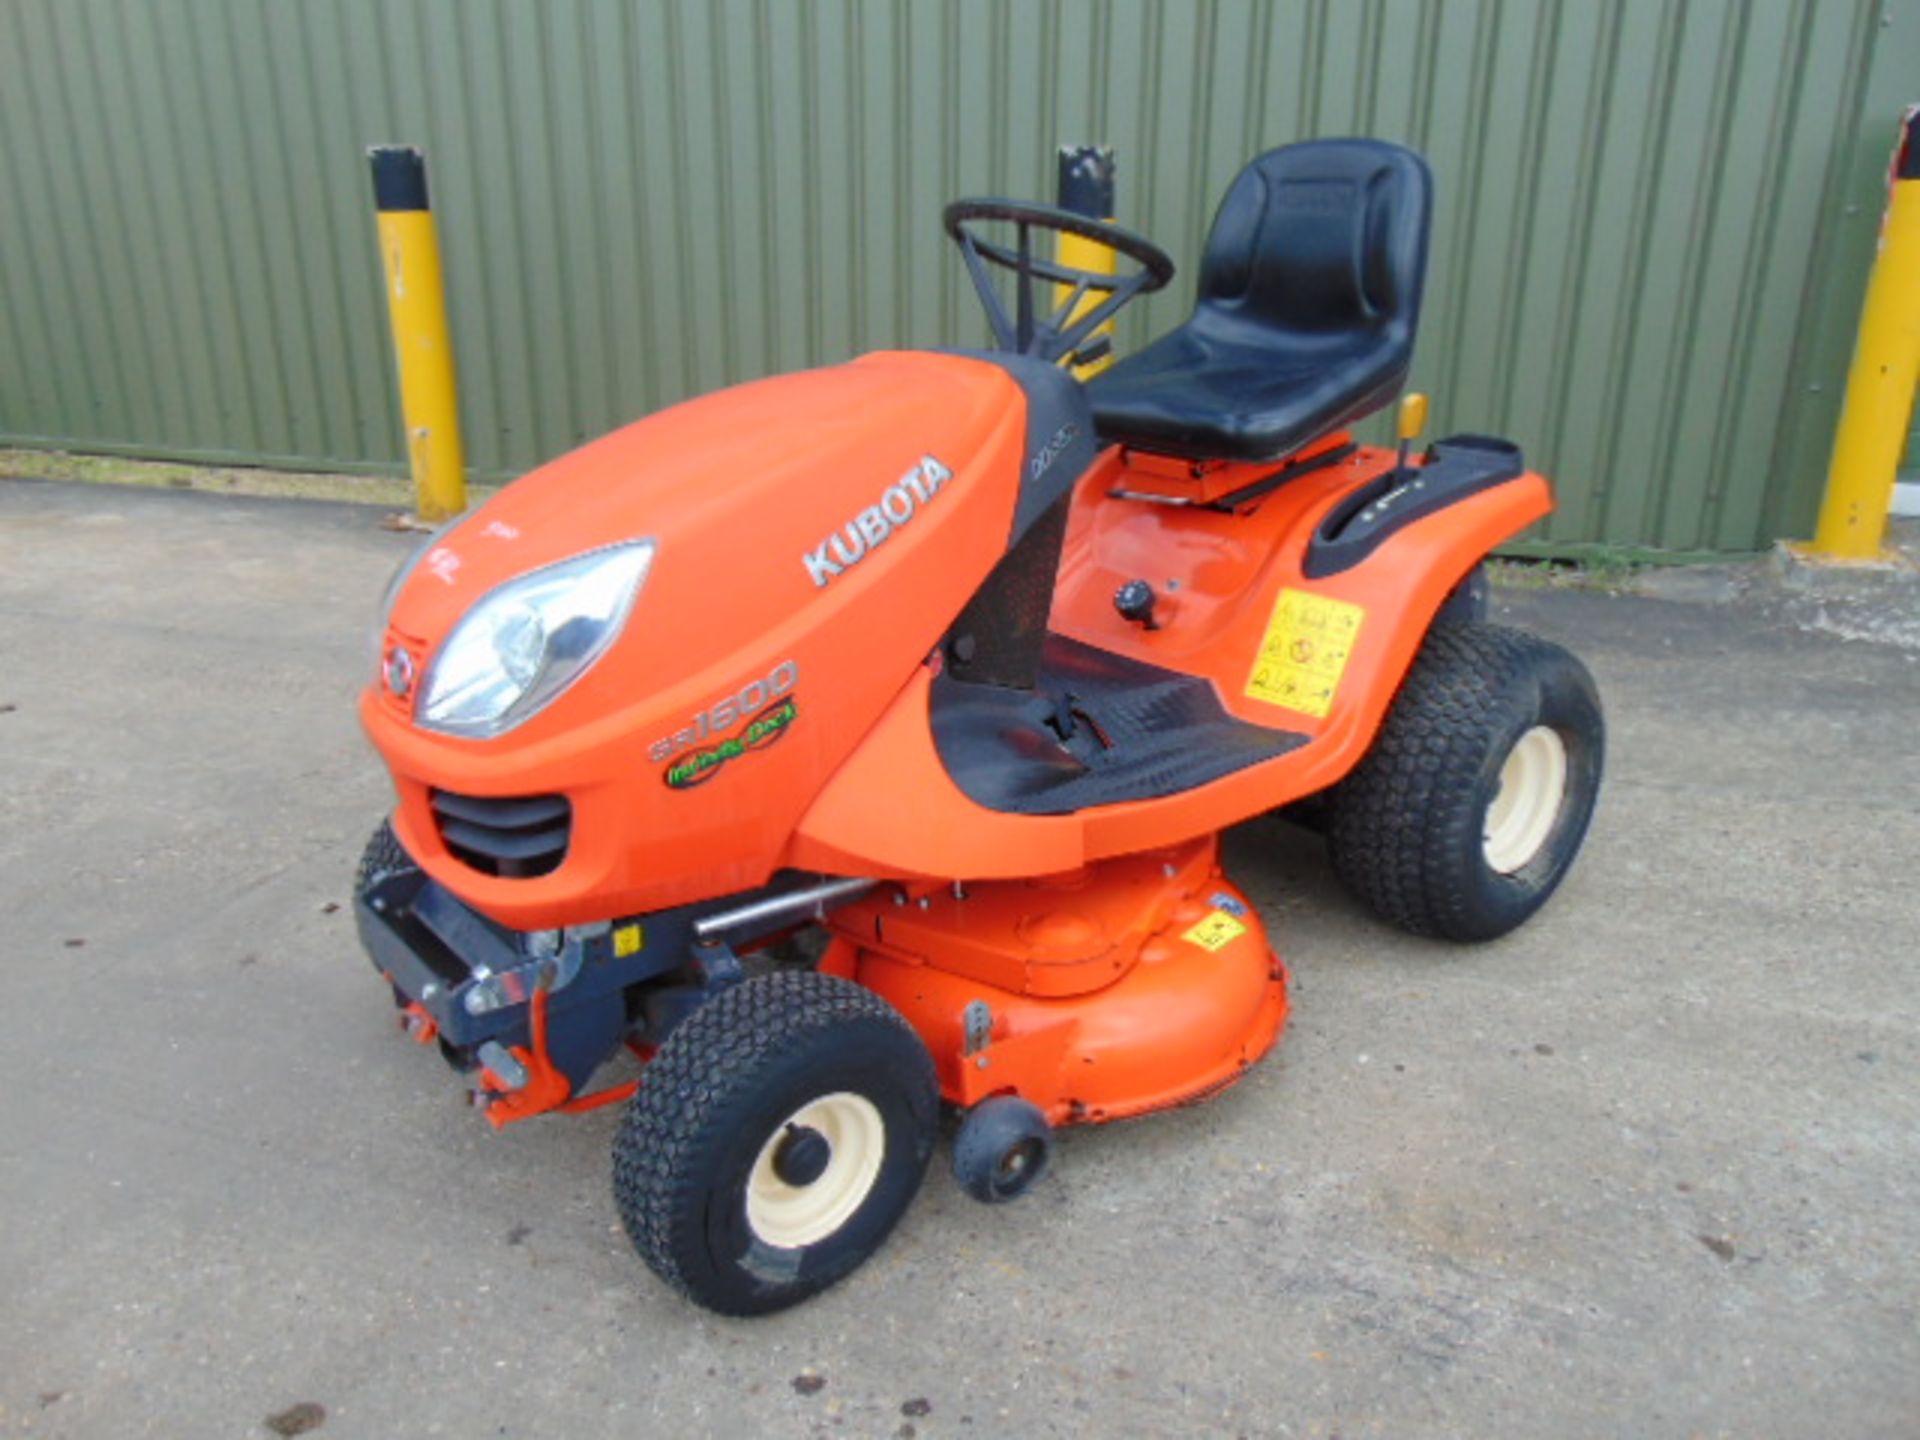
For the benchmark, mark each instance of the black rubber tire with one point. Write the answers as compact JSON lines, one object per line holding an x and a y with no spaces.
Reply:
{"x":725,"y":1080}
{"x":1003,"y":1148}
{"x":1309,"y":813}
{"x":1406,"y":827}
{"x":383,"y":855}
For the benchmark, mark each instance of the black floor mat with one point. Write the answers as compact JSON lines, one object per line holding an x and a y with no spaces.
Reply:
{"x":1165,"y":732}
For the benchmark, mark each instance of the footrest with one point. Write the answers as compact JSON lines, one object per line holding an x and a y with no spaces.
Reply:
{"x":1164,"y":732}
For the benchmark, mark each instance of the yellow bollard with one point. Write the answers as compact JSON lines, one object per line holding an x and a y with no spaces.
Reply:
{"x":422,"y":347}
{"x":1886,"y":359}
{"x":1086,"y":188}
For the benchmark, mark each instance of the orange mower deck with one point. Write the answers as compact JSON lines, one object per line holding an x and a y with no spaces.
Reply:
{"x":1129,"y":986}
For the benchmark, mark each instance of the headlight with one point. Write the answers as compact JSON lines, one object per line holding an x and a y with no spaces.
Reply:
{"x":401,"y":573}
{"x":529,"y":639}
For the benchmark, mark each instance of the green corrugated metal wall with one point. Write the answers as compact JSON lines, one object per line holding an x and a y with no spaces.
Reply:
{"x":1653,"y":224}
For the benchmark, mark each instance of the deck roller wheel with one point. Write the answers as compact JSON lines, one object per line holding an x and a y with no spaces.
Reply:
{"x":1002,"y":1149}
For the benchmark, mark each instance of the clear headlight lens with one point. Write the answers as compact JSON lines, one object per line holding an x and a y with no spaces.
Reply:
{"x":530,"y":639}
{"x":401,"y":573}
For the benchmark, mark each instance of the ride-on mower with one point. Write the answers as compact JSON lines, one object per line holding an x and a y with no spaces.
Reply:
{"x":960,"y":665}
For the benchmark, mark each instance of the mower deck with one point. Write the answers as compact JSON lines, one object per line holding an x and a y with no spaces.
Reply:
{"x":1134,"y":984}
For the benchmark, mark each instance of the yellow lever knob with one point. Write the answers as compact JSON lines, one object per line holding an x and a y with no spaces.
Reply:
{"x":1413,"y":415}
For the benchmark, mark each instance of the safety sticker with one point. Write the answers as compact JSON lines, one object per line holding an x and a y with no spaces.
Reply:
{"x":1216,"y":929}
{"x":1305,"y":652}
{"x":627,"y":940}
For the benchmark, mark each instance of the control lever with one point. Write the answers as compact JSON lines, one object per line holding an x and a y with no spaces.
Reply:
{"x":1063,"y":721}
{"x":1413,"y":419}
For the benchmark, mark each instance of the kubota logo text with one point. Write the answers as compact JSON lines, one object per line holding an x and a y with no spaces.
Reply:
{"x":860,"y":536}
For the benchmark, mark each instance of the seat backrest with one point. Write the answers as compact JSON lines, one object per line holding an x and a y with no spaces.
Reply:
{"x":1320,"y":239}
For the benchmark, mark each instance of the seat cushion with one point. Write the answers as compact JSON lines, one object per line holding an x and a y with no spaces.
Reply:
{"x":1201,"y":398}
{"x":1308,"y":300}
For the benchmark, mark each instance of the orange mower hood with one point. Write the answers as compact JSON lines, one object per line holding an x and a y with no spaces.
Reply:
{"x":814,"y":535}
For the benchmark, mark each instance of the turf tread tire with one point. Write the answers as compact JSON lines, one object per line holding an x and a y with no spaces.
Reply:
{"x":1405,"y":827}
{"x":383,"y":855}
{"x":708,"y":1072}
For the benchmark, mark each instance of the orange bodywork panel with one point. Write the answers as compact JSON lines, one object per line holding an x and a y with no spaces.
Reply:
{"x":815,"y":536}
{"x":1131,"y":985}
{"x":1221,"y":577}
{"x":922,"y":450}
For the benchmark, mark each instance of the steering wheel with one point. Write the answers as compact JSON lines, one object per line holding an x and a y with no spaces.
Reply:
{"x":1060,"y":332}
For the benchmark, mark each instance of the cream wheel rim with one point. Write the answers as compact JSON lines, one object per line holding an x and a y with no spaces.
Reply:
{"x":789,"y":1216}
{"x":1533,"y":786}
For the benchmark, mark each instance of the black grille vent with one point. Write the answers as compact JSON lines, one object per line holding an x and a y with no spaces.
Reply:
{"x":517,"y":837}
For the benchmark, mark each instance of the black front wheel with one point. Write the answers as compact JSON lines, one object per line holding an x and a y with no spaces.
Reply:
{"x":382,"y":856}
{"x":1472,"y":804}
{"x":776,"y":1138}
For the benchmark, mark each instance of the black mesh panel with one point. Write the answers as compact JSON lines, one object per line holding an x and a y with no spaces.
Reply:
{"x":997,"y":639}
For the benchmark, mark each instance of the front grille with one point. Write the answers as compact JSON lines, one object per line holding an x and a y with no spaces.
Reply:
{"x":514,"y":837}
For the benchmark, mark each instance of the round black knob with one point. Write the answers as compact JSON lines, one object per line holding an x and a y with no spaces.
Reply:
{"x":1134,"y":600}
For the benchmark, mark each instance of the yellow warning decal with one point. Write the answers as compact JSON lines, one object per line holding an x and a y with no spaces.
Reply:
{"x":1305,"y":652}
{"x":627,"y":940}
{"x":1215,"y":929}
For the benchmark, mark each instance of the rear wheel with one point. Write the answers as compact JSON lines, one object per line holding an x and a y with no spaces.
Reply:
{"x":1470,"y":807}
{"x":776,"y":1138}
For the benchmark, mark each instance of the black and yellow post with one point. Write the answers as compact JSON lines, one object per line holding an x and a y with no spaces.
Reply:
{"x":1880,"y":386}
{"x":422,"y":346}
{"x":1086,"y":188}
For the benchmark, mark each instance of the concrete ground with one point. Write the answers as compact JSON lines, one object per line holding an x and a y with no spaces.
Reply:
{"x":1648,"y":1167}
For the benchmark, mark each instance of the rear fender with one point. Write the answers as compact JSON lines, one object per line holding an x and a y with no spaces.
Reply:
{"x":1289,"y":639}
{"x":1234,"y":594}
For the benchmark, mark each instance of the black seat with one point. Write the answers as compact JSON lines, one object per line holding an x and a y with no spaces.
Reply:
{"x":1308,"y":299}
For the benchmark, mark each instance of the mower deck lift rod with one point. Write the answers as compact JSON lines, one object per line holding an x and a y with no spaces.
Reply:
{"x":811,"y":902}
